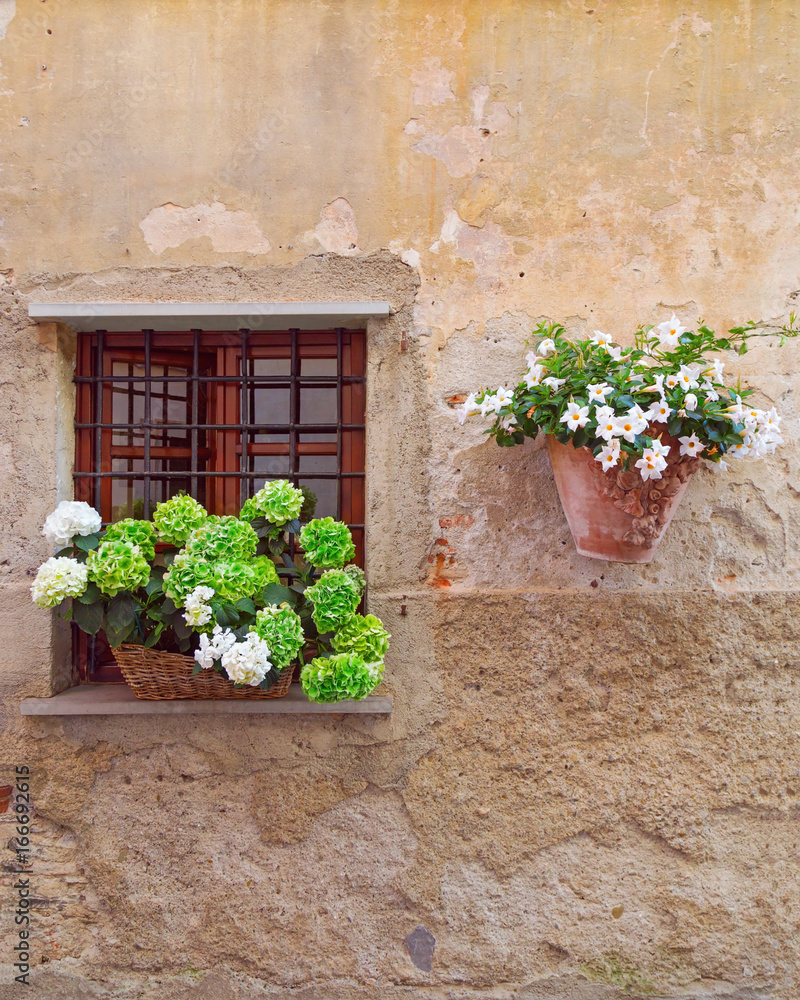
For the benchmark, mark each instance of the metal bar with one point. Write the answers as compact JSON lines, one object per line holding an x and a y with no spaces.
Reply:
{"x":186,"y":473}
{"x":275,"y":381}
{"x":264,"y":428}
{"x":148,"y":419}
{"x":195,"y":407}
{"x":244,"y":418}
{"x":98,"y":407}
{"x":339,"y":422}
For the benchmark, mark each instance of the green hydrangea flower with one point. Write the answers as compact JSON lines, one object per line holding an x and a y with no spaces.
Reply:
{"x":117,"y":565}
{"x":282,"y":630}
{"x":341,"y":676}
{"x":176,"y":518}
{"x":141,"y":533}
{"x":326,"y":543}
{"x":362,"y":634}
{"x":335,"y":597}
{"x":278,"y":502}
{"x":358,"y":577}
{"x":265,"y":572}
{"x":222,"y":538}
{"x":230,"y":579}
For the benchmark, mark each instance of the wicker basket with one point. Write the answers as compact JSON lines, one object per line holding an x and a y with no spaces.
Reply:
{"x":158,"y":676}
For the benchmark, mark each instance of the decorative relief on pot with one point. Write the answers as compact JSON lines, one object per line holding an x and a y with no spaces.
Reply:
{"x":649,"y":502}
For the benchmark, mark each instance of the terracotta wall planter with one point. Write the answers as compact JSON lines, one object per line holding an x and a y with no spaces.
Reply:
{"x":614,"y":515}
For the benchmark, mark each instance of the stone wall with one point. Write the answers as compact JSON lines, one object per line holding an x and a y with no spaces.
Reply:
{"x":589,"y":784}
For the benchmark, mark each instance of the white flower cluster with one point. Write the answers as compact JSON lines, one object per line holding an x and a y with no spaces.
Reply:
{"x":761,"y":433}
{"x":70,"y":518}
{"x":198,"y":611}
{"x":245,"y":662}
{"x":214,"y":648}
{"x":58,"y":578}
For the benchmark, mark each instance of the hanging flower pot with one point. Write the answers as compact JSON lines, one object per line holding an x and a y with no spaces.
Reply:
{"x":627,"y":427}
{"x":614,"y":514}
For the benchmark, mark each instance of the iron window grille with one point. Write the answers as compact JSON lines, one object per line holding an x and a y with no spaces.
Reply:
{"x":217,"y":415}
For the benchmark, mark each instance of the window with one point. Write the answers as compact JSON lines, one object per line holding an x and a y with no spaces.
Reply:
{"x":217,"y":415}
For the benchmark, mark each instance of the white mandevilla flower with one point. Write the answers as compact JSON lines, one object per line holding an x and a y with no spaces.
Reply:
{"x":630,"y":425}
{"x":659,"y":449}
{"x":214,"y":648}
{"x":488,"y":404}
{"x":687,"y":377}
{"x":717,"y":368}
{"x":651,"y":465}
{"x":575,"y":417}
{"x":508,"y":422}
{"x":553,"y":383}
{"x":598,"y":392}
{"x":690,"y":401}
{"x":615,"y":353}
{"x":534,"y":376}
{"x":659,"y":412}
{"x":669,"y":333}
{"x":469,"y":408}
{"x":546,"y":347}
{"x":197,"y":609}
{"x":503,"y":397}
{"x":247,"y":662}
{"x":608,"y":456}
{"x":606,"y":422}
{"x":58,"y":578}
{"x":691,"y":445}
{"x":600,"y":339}
{"x":70,"y":518}
{"x":710,"y":391}
{"x":671,"y":381}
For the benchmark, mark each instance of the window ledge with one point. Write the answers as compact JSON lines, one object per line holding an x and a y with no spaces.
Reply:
{"x":86,"y":317}
{"x":118,"y":699}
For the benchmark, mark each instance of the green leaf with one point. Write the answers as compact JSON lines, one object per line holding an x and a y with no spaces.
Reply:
{"x":227,"y":615}
{"x":180,"y":628}
{"x":293,"y":526}
{"x":742,"y":349}
{"x":277,"y":547}
{"x":91,"y":595}
{"x":275,"y":593}
{"x":153,"y":586}
{"x":86,"y":542}
{"x":88,"y":617}
{"x":116,"y":638}
{"x":168,"y":607}
{"x":246,"y":605}
{"x":196,"y":669}
{"x":121,"y":612}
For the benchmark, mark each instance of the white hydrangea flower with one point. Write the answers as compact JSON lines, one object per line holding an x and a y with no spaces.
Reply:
{"x":58,"y":578}
{"x":198,"y":611}
{"x":70,"y":518}
{"x":247,"y":662}
{"x":214,"y":648}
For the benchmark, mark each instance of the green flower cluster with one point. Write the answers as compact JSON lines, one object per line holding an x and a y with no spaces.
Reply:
{"x":356,"y":573}
{"x":231,"y":579}
{"x":264,"y":573}
{"x":117,"y":565}
{"x":282,"y":630}
{"x":141,"y":533}
{"x":278,"y":502}
{"x":326,"y":543}
{"x":341,"y":676}
{"x":222,"y":538}
{"x":362,"y":634}
{"x":335,"y":597}
{"x":176,"y":518}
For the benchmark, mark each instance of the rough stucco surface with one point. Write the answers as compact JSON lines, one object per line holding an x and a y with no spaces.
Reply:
{"x":589,"y":785}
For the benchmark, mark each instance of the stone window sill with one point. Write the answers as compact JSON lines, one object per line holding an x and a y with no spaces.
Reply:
{"x":118,"y":699}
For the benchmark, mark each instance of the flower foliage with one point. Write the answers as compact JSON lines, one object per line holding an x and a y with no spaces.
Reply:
{"x":362,"y":634}
{"x":282,"y":630}
{"x":278,"y":502}
{"x":222,"y":538}
{"x":335,"y":597}
{"x":623,"y":403}
{"x":116,"y":566}
{"x":175,"y":519}
{"x":141,"y":533}
{"x":58,"y":578}
{"x":70,"y":518}
{"x":338,"y":677}
{"x":326,"y":543}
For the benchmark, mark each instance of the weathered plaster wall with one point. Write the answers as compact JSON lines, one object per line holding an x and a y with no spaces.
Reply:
{"x":589,"y":785}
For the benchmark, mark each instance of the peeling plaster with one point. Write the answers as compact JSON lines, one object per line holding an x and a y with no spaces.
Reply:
{"x":460,"y":150}
{"x":8,"y":8}
{"x":432,"y":84}
{"x":336,"y":230}
{"x":229,"y":231}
